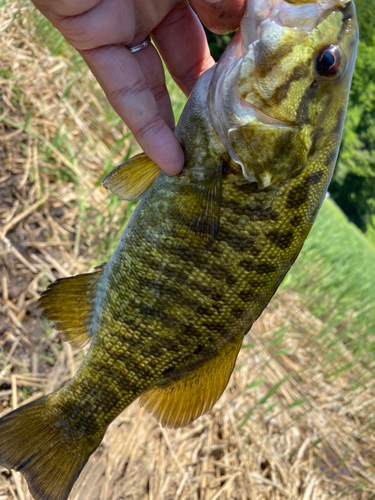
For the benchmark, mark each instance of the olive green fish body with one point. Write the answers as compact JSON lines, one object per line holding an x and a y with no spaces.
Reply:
{"x":204,"y":251}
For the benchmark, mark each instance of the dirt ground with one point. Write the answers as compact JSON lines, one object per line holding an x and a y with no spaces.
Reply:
{"x":282,"y":429}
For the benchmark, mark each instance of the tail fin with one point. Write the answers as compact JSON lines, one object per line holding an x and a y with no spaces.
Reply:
{"x":35,"y":446}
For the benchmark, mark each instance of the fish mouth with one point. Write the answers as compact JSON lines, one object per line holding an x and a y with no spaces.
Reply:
{"x":304,"y":15}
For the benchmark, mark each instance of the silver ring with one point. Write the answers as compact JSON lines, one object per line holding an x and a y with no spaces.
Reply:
{"x":140,"y":46}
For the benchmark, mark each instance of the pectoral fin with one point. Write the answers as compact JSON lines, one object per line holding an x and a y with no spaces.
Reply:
{"x":195,"y":213}
{"x":132,"y":178}
{"x":187,"y":399}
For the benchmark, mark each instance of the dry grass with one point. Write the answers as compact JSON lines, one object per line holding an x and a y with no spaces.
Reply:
{"x":282,"y":429}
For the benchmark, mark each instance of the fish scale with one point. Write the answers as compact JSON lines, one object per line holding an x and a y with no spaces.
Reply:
{"x":204,"y":251}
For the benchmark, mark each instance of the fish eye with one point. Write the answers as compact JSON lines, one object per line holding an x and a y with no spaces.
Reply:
{"x":330,"y":62}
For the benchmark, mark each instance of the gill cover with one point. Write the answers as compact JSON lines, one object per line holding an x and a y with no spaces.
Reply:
{"x":268,"y":92}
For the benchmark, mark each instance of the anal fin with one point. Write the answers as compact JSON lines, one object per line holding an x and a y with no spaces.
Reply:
{"x":187,"y":399}
{"x":69,"y":303}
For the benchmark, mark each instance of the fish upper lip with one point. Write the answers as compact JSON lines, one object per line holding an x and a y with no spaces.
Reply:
{"x":264,"y":118}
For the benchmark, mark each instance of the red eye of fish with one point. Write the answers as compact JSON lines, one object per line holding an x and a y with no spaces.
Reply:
{"x":330,"y":62}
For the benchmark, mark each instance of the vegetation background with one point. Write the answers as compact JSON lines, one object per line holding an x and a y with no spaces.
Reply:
{"x":298,"y":418}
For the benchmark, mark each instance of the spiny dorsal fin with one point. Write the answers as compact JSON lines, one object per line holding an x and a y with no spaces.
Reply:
{"x":132,"y":178}
{"x":187,"y":399}
{"x":196,"y":208}
{"x":69,"y":303}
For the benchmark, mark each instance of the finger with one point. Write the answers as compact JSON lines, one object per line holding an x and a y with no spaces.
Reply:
{"x":63,"y":8}
{"x":183,"y":46}
{"x":122,"y":79}
{"x":219,"y":16}
{"x":153,"y":70}
{"x":108,"y":23}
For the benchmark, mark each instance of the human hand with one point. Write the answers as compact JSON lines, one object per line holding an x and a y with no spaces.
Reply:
{"x":135,"y":83}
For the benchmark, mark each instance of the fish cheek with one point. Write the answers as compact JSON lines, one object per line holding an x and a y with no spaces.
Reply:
{"x":269,"y":153}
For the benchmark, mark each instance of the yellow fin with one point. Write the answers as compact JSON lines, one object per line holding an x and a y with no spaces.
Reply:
{"x":34,"y":445}
{"x":132,"y":178}
{"x":69,"y":303}
{"x":189,"y":398}
{"x":196,"y":209}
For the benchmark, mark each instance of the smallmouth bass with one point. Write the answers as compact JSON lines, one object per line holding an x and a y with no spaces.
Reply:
{"x":204,"y":251}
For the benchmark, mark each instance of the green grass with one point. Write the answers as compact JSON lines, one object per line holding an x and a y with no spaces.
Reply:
{"x":55,"y":42}
{"x":59,"y":47}
{"x":40,"y":30}
{"x":335,"y":275}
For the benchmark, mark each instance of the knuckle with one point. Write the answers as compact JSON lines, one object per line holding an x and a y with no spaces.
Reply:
{"x":126,"y":93}
{"x":159,"y":91}
{"x":151,"y":128}
{"x":76,"y":33}
{"x":188,"y":78}
{"x":181,"y":11}
{"x":83,"y":35}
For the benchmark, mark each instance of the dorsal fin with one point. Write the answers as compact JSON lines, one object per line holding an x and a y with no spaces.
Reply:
{"x":132,"y":178}
{"x":69,"y":303}
{"x":187,"y":399}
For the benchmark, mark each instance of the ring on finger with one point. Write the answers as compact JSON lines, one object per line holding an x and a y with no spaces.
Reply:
{"x":140,"y":46}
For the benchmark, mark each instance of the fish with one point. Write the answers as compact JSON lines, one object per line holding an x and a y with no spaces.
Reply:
{"x":204,"y":251}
